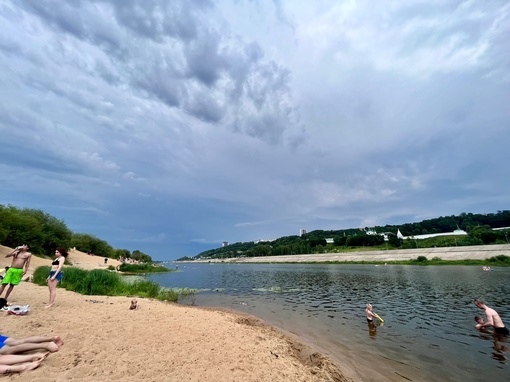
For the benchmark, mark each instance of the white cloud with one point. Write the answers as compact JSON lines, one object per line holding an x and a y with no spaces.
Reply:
{"x":242,"y":120}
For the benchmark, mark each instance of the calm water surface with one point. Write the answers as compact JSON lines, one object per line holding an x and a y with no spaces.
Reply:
{"x":428,"y":333}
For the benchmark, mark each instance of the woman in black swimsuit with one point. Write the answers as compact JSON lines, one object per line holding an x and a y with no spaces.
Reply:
{"x":56,"y":274}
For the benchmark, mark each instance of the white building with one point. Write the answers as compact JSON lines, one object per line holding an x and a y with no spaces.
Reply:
{"x":457,"y":232}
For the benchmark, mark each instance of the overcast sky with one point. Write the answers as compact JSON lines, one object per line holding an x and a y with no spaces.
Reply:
{"x":172,"y":126}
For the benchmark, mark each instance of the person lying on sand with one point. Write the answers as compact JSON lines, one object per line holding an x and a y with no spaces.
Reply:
{"x":9,"y":345}
{"x":18,"y":363}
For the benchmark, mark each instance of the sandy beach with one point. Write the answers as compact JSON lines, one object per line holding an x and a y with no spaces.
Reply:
{"x":105,"y":341}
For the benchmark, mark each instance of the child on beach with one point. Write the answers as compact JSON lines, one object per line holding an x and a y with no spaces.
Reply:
{"x":134,"y":305}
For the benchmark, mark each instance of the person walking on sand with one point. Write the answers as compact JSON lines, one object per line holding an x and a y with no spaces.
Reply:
{"x":493,"y":319}
{"x":19,"y":267}
{"x":56,"y":274}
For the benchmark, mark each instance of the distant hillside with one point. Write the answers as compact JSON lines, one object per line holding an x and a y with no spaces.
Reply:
{"x":478,"y":226}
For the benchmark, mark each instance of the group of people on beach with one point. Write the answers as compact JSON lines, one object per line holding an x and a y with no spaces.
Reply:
{"x":12,"y":357}
{"x":20,"y":264}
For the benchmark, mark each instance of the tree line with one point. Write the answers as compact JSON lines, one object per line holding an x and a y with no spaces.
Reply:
{"x":479,"y":228}
{"x":43,"y":233}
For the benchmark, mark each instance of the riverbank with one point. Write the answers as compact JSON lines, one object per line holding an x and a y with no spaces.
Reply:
{"x":479,"y":252}
{"x":161,"y":341}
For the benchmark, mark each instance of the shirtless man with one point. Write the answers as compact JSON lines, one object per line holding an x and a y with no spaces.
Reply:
{"x":493,"y":319}
{"x":19,"y":267}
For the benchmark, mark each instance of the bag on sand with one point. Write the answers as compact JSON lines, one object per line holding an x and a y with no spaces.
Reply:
{"x":18,"y":310}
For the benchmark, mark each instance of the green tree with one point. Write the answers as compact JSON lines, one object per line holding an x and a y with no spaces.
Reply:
{"x":394,"y":240}
{"x":118,"y":253}
{"x":88,"y":243}
{"x":140,"y":256}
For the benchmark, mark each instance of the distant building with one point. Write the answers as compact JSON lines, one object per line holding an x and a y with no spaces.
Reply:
{"x":302,"y":232}
{"x":457,"y":232}
{"x":374,"y":232}
{"x":263,"y":241}
{"x":224,"y":244}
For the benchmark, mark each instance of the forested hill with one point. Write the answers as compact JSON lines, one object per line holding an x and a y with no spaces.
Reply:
{"x":478,"y":226}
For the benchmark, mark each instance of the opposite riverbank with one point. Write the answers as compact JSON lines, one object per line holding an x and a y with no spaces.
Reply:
{"x":479,"y":252}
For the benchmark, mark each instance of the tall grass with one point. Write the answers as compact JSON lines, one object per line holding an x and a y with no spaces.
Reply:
{"x":106,"y":283}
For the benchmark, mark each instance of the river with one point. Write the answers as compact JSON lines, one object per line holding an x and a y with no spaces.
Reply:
{"x":428,"y":332}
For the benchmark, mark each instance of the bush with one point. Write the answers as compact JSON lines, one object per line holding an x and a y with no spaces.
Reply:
{"x":100,"y":282}
{"x":142,"y":268}
{"x":74,"y":279}
{"x":168,"y":295}
{"x":421,"y":259}
{"x":500,"y":259}
{"x":143,"y":288}
{"x":41,"y":274}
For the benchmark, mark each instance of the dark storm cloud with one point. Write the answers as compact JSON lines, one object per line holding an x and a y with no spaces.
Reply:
{"x":157,"y":20}
{"x":183,"y":122}
{"x":187,"y":55}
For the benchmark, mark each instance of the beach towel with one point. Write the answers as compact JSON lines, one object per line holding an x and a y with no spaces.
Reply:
{"x":18,"y":310}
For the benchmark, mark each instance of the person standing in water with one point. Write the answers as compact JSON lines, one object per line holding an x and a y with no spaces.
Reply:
{"x":493,"y":319}
{"x":56,"y":274}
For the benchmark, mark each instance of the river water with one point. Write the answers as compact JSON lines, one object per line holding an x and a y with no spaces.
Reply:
{"x":428,"y":332}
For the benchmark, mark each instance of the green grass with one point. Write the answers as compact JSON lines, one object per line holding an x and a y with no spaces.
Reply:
{"x":105,"y":283}
{"x":143,"y":268}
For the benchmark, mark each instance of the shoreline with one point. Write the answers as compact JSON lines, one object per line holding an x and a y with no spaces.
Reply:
{"x":161,"y":341}
{"x":164,"y":341}
{"x":476,"y":252}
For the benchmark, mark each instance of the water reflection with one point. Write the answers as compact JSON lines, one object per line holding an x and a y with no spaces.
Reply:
{"x":428,"y":311}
